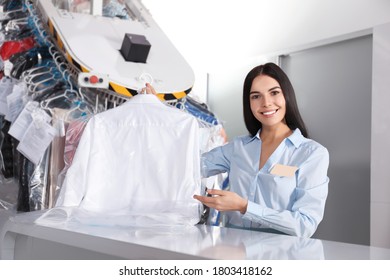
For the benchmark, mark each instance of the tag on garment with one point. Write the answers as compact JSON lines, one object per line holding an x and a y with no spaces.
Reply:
{"x":23,"y":121}
{"x":6,"y":86}
{"x":15,"y":103}
{"x":8,"y":65}
{"x":283,"y":170}
{"x":36,"y":140}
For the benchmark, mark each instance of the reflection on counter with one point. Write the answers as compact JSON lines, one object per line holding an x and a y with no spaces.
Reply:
{"x":170,"y":242}
{"x":216,"y":242}
{"x":201,"y":240}
{"x":261,"y":245}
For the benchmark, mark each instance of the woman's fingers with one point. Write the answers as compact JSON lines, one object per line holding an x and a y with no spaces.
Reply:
{"x":223,"y":201}
{"x":205,"y":199}
{"x":216,"y":192}
{"x":149,"y":89}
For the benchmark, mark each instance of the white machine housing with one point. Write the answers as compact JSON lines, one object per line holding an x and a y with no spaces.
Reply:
{"x":92,"y":44}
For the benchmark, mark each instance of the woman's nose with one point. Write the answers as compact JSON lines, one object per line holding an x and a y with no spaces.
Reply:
{"x":266,"y":101}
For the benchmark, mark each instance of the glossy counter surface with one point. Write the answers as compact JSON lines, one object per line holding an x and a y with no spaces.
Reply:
{"x":21,"y":238}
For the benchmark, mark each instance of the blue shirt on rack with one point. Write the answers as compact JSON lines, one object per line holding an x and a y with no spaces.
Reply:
{"x":290,"y":204}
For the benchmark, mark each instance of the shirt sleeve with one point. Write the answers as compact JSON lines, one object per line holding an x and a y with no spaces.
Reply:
{"x":217,"y":160}
{"x":309,"y":204}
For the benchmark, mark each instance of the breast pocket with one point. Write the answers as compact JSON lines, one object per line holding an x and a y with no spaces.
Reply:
{"x":277,"y":191}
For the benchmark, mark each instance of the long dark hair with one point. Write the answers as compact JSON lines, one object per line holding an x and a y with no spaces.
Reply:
{"x":293,"y":117}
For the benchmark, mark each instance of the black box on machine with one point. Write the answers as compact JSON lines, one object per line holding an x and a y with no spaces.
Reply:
{"x":135,"y":48}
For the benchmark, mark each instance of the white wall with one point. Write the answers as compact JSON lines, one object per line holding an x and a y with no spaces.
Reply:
{"x":226,"y":38}
{"x":380,"y":135}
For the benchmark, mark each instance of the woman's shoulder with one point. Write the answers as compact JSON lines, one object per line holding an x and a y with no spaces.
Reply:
{"x":312,"y":146}
{"x":306,"y":145}
{"x":243,"y":138}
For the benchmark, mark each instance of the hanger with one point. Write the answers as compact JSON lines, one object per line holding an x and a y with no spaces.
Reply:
{"x":143,"y":79}
{"x":82,"y":107}
{"x":47,"y":80}
{"x":30,"y":74}
{"x":68,"y":94}
{"x":8,"y":14}
{"x":57,"y":87}
{"x":16,"y":24}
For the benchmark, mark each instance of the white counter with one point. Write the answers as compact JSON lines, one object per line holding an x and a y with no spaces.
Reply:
{"x":21,"y":238}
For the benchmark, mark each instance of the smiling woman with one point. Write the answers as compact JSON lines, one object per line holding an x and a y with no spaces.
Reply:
{"x":278,"y":176}
{"x":267,"y":101}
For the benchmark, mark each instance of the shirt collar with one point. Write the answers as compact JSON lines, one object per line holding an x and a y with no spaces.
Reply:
{"x":296,"y":138}
{"x":251,"y":138}
{"x":145,"y":98}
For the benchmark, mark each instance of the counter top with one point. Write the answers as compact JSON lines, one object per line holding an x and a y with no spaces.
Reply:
{"x":21,"y":238}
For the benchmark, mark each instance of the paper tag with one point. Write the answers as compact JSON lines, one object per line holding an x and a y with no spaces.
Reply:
{"x":8,"y":65}
{"x":36,"y":140}
{"x":15,"y":102}
{"x":6,"y":86}
{"x":283,"y":170}
{"x":3,"y":108}
{"x":23,"y":121}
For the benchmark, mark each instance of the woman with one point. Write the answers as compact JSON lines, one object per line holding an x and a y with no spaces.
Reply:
{"x":278,"y":177}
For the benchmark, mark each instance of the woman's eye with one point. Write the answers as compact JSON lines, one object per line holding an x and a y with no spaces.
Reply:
{"x":254,"y":96}
{"x":275,"y":92}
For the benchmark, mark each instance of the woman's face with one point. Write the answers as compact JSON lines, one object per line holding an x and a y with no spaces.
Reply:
{"x":267,"y":101}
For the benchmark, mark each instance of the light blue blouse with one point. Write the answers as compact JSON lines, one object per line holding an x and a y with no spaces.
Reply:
{"x":290,"y":204}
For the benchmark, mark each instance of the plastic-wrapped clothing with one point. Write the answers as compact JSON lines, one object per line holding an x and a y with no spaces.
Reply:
{"x":139,"y":159}
{"x":74,"y":131}
{"x":26,"y":170}
{"x":56,"y":160}
{"x":73,"y":135}
{"x":9,"y":48}
{"x":7,"y":152}
{"x":199,"y":110}
{"x":115,"y":9}
{"x":38,"y":184}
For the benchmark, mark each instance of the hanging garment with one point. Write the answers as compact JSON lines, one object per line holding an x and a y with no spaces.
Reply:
{"x":37,"y":185}
{"x":137,"y":163}
{"x":25,"y":172}
{"x":74,"y":131}
{"x":7,"y":167}
{"x":9,"y":48}
{"x":56,"y":160}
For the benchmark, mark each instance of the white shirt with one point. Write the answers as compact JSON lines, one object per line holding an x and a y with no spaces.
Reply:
{"x":138,"y":162}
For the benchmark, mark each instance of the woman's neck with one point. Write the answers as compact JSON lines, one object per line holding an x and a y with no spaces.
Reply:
{"x":274,"y":133}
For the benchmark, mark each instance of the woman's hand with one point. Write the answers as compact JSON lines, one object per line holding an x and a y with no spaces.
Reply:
{"x":224,"y":201}
{"x":148,"y":89}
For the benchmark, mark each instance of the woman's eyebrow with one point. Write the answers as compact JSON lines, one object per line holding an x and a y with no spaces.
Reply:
{"x":274,"y":88}
{"x":271,"y":89}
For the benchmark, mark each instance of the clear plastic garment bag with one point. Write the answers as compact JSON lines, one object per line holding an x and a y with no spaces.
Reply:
{"x":136,"y":164}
